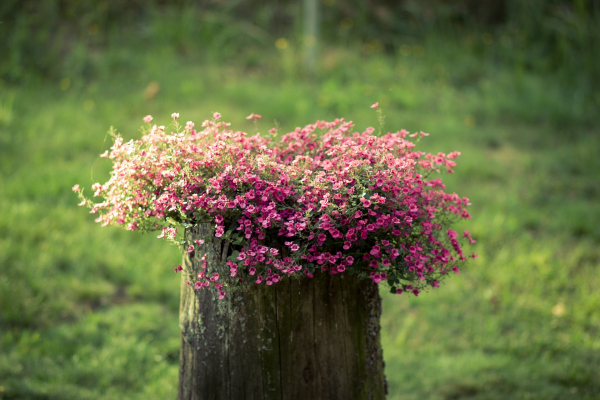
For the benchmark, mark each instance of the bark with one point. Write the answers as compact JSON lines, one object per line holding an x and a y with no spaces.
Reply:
{"x":299,"y":339}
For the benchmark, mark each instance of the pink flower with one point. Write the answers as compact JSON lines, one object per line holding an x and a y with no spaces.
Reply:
{"x":253,"y":116}
{"x":301,"y":189}
{"x":147,"y":119}
{"x":175,"y":115}
{"x":178,"y":268}
{"x":75,"y":188}
{"x":375,"y":106}
{"x":375,"y":251}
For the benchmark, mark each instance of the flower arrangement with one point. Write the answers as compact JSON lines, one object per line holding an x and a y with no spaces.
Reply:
{"x":320,"y":197}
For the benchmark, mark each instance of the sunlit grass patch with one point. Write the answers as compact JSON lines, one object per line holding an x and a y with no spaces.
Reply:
{"x":91,"y":313}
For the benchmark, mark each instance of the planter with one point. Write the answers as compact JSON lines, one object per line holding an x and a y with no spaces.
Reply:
{"x":299,"y":339}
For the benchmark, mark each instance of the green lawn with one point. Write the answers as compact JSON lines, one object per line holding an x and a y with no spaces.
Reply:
{"x":91,"y":313}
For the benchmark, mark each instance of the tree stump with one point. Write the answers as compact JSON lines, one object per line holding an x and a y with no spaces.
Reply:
{"x":299,"y":339}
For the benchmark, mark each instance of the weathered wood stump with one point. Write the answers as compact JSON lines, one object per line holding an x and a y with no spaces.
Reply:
{"x":299,"y":339}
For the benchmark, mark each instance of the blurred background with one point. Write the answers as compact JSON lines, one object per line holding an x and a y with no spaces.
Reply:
{"x":514,"y":85}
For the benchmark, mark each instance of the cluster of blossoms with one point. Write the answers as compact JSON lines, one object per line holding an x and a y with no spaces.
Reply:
{"x":320,"y":197}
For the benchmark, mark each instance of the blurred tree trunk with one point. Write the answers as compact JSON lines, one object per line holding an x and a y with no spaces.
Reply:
{"x":299,"y":339}
{"x":311,"y":33}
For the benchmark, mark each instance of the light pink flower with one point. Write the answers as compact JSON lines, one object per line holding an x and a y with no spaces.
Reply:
{"x":253,"y":116}
{"x":147,"y":119}
{"x":375,"y":106}
{"x":175,"y":115}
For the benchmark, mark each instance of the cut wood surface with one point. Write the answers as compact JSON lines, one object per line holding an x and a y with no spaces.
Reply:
{"x":299,"y":339}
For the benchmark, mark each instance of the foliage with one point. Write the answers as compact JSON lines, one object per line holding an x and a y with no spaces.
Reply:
{"x":334,"y":200}
{"x":83,"y":310}
{"x":558,"y":38}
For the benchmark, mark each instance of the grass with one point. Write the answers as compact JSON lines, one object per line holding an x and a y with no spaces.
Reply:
{"x":91,"y":313}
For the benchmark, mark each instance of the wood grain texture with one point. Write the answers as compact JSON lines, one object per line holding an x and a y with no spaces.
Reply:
{"x":299,"y":339}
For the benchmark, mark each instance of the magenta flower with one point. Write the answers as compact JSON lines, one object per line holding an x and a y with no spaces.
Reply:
{"x":301,"y":189}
